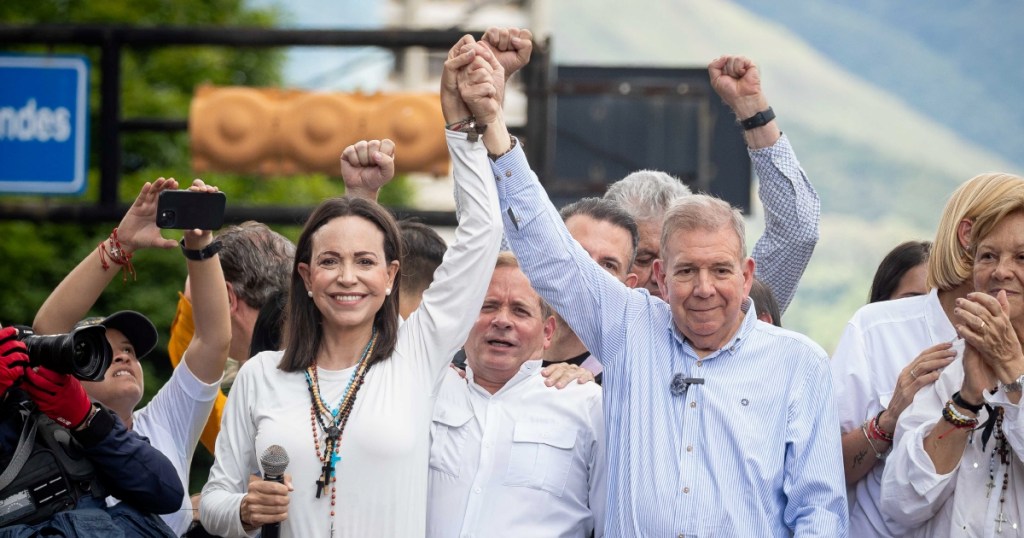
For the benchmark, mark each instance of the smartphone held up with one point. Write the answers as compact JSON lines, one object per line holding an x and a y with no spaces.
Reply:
{"x":190,"y":210}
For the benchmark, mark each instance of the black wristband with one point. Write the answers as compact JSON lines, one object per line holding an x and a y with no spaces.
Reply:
{"x":199,"y":255}
{"x":758,"y":120}
{"x":960,"y":402}
{"x":96,"y":430}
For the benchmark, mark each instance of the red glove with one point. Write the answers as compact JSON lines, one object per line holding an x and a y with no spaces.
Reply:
{"x":13,"y":358}
{"x":60,"y":396}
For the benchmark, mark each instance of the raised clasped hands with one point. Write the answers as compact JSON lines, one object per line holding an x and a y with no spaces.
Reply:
{"x":368,"y":165}
{"x":993,"y":350}
{"x":478,"y":84}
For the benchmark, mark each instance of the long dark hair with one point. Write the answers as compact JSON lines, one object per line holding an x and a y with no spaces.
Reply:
{"x":896,"y":263}
{"x":303,"y":331}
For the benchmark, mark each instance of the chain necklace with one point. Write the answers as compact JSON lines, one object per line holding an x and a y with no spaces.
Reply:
{"x":332,"y":421}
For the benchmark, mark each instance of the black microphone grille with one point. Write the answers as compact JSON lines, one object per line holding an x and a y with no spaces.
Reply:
{"x":274,"y":460}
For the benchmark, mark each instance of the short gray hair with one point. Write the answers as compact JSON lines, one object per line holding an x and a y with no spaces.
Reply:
{"x":256,"y":260}
{"x":647,"y":194}
{"x":703,"y":212}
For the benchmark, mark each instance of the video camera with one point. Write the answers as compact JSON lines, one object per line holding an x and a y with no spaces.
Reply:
{"x":83,"y":353}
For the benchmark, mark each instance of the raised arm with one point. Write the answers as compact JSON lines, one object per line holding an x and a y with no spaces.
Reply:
{"x":791,"y":205}
{"x":207,"y":354}
{"x":366,"y":166}
{"x":592,"y":301}
{"x":437,"y":329}
{"x":75,"y":295}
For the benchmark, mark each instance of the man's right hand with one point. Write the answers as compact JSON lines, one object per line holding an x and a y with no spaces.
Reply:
{"x":266,"y":502}
{"x":13,"y":358}
{"x":512,"y":47}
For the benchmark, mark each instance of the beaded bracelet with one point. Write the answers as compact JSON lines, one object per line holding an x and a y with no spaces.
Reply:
{"x":959,"y":421}
{"x":117,"y":255}
{"x":876,"y":431}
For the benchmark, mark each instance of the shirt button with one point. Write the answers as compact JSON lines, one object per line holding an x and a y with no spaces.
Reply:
{"x":686,"y":490}
{"x":693,"y":404}
{"x":689,"y":448}
{"x":508,"y":173}
{"x":477,"y":490}
{"x":700,"y":363}
{"x":497,"y":178}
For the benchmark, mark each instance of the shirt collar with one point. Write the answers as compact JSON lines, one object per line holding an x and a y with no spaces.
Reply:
{"x":527,"y":370}
{"x":746,"y":325}
{"x":938,"y":323}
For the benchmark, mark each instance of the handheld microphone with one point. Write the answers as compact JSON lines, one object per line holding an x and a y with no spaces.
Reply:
{"x":274,"y":461}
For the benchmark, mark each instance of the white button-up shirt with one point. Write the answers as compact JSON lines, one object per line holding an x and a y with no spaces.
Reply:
{"x":879,"y":341}
{"x":959,"y":503}
{"x":525,"y":461}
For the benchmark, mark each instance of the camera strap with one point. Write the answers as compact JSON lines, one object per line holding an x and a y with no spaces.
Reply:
{"x":21,"y":454}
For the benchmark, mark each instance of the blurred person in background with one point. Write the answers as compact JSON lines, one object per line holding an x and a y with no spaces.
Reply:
{"x":422,"y":255}
{"x":902,"y":273}
{"x":765,"y":305}
{"x":891,"y":350}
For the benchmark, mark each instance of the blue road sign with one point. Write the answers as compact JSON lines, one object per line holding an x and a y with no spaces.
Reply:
{"x":44,"y":114}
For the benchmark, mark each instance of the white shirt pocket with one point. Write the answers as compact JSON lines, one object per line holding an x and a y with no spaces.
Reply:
{"x":448,"y":436}
{"x":541,"y":456}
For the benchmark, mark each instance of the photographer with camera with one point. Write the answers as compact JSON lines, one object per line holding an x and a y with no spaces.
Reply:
{"x":173,"y":420}
{"x":62,"y":454}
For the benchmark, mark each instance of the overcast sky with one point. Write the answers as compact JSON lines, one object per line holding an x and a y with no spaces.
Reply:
{"x":330,"y":68}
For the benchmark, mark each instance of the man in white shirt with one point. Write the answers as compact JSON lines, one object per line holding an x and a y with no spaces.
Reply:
{"x":509,"y":455}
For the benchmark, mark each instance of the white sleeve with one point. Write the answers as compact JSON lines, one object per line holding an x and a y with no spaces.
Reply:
{"x":912,"y":491}
{"x":181,"y":408}
{"x":235,"y":458}
{"x":439,"y":327}
{"x":851,"y":378}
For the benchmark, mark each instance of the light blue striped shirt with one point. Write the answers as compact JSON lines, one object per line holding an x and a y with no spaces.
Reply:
{"x":754,"y":451}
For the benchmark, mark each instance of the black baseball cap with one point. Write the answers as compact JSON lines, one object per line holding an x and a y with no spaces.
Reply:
{"x":137,"y":328}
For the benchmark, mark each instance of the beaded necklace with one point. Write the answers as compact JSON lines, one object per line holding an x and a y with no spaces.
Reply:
{"x":332,"y":421}
{"x":1002,"y":449}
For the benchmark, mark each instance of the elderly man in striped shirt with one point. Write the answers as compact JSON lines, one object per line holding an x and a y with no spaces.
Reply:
{"x":717,"y":424}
